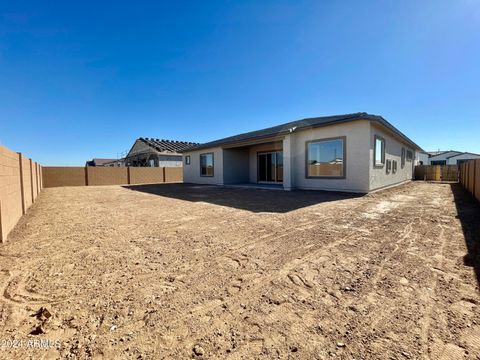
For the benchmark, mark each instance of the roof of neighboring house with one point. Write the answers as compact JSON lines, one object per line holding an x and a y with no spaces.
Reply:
{"x":162,"y":146}
{"x":441,"y":153}
{"x":303,"y":124}
{"x":463,"y":153}
{"x":98,"y":162}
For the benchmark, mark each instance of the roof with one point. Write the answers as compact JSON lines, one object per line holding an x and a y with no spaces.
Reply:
{"x":170,"y":146}
{"x":441,"y":153}
{"x":303,"y":124}
{"x":463,"y":153}
{"x":99,"y":162}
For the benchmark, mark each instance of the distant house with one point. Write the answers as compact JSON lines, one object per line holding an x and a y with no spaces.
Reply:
{"x":149,"y":152}
{"x":354,"y":152}
{"x":450,"y":157}
{"x":98,"y":162}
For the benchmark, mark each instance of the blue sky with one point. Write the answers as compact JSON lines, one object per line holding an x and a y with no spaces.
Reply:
{"x":84,"y":79}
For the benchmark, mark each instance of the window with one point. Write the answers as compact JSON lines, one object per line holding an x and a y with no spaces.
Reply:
{"x":438,"y":162}
{"x":409,"y":155}
{"x":394,"y":166}
{"x":206,"y":164}
{"x":402,"y":163}
{"x":187,"y":160}
{"x":326,"y":158}
{"x":379,"y":152}
{"x":389,"y":166}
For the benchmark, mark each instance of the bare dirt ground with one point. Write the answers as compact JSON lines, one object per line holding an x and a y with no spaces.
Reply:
{"x":178,"y":271}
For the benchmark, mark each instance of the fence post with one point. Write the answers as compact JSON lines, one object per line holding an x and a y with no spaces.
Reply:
{"x":86,"y":176}
{"x":22,"y":190}
{"x":164,"y":177}
{"x":1,"y":229}
{"x":31,"y":181}
{"x":128,"y":175}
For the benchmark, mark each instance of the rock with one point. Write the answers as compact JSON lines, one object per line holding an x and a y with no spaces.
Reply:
{"x":38,"y":330}
{"x":340,"y":345}
{"x":113,"y":328}
{"x":198,"y":350}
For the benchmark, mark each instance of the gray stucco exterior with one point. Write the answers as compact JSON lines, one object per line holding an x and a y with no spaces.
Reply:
{"x":237,"y":164}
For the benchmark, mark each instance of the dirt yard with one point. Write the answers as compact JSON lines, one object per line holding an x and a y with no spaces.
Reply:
{"x":178,"y":271}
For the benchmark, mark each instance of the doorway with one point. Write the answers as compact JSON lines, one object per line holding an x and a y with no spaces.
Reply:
{"x":270,"y":167}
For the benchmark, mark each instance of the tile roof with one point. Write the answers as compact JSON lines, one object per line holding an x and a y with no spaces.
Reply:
{"x":303,"y":124}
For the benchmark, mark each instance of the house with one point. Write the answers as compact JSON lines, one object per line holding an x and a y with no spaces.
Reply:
{"x":450,"y":157}
{"x":98,"y":162}
{"x":354,"y":152}
{"x":156,"y":153}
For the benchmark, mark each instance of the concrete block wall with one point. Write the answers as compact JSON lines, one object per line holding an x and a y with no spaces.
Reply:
{"x":19,"y":187}
{"x":106,"y":175}
{"x":144,"y":175}
{"x":94,"y":176}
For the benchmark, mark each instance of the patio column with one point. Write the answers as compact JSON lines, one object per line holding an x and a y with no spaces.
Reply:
{"x":288,"y":182}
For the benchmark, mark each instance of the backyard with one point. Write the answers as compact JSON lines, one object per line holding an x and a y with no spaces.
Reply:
{"x":182,"y":271}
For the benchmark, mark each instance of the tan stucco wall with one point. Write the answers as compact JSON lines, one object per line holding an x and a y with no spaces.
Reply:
{"x":191,"y":173}
{"x":357,"y":134}
{"x":393,"y":151}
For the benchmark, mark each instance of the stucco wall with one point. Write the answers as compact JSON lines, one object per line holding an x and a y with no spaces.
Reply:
{"x":357,"y":134}
{"x":236,"y":166}
{"x":191,"y":173}
{"x":254,"y":150}
{"x":393,"y":151}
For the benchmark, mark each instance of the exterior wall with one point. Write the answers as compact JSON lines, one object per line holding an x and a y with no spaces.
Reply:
{"x":422,"y":157}
{"x":191,"y":173}
{"x":19,"y":187}
{"x":393,"y":151}
{"x":357,"y":134}
{"x":254,"y":150}
{"x":54,"y":176}
{"x":236,"y":166}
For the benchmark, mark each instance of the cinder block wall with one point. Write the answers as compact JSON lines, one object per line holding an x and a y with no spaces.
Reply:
{"x":107,"y":176}
{"x":54,"y":176}
{"x":92,"y":176}
{"x":19,"y":187}
{"x":143,"y":175}
{"x":173,"y":174}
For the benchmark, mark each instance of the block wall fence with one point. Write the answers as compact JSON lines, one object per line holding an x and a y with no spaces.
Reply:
{"x":20,"y":183}
{"x":54,"y":176}
{"x":470,"y":177}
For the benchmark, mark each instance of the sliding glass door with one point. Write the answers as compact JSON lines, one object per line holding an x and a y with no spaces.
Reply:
{"x":270,"y":166}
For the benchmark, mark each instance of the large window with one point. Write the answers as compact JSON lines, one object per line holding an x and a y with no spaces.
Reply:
{"x":379,"y":151}
{"x":326,"y":158}
{"x":206,"y":164}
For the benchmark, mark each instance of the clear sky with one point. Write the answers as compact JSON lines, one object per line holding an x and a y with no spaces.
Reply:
{"x":83,"y":79}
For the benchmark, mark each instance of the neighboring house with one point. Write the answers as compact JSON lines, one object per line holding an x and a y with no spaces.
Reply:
{"x":98,"y":162}
{"x":356,"y":153}
{"x":421,"y":158}
{"x":450,"y":157}
{"x":156,"y":153}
